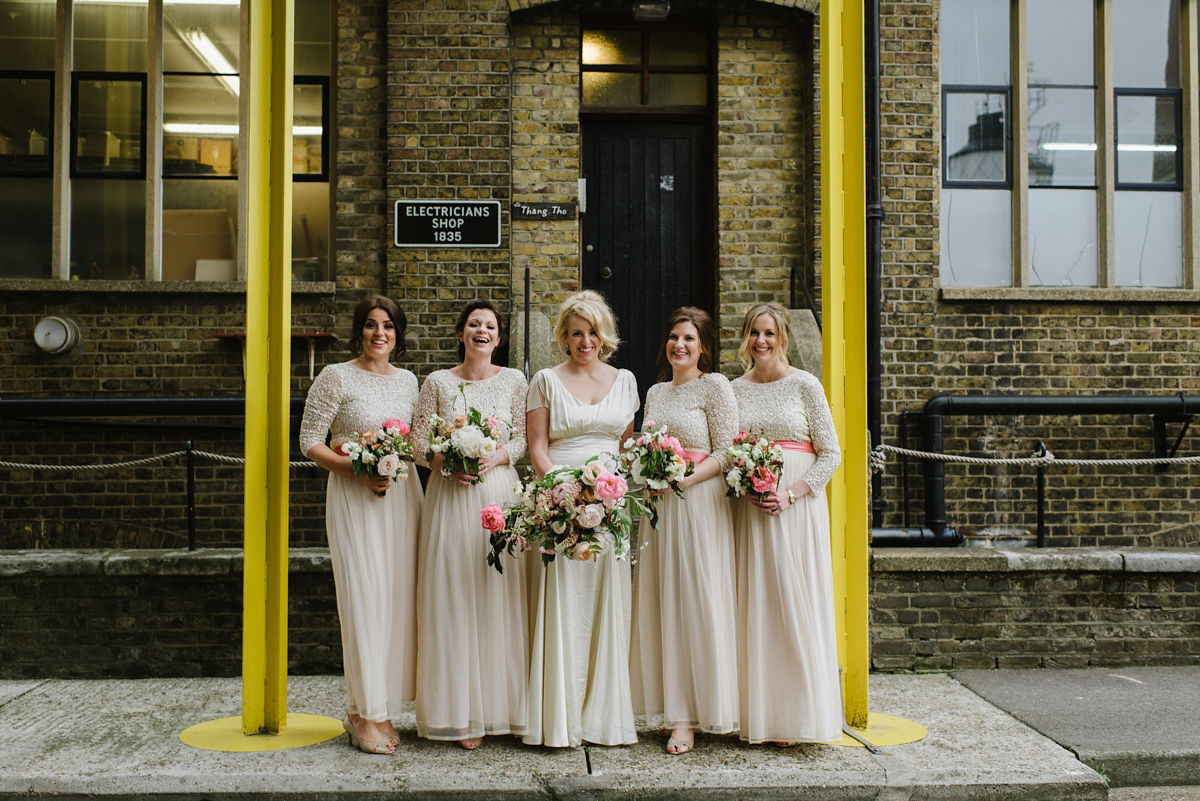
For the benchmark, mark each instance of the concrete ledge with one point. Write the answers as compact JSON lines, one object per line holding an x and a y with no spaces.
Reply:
{"x":148,"y":562}
{"x":1069,"y":560}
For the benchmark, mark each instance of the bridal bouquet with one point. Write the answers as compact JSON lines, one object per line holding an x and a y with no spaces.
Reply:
{"x":757,"y":466}
{"x":463,"y":441}
{"x":575,"y":512}
{"x":384,"y":450}
{"x":656,"y":460}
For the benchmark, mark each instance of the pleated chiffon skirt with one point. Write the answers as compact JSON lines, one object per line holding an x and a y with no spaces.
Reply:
{"x":683,"y":659}
{"x":373,"y":548}
{"x":787,"y":651}
{"x":472,"y":646}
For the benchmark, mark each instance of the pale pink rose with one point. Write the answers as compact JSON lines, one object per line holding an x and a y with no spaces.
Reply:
{"x":591,"y":472}
{"x":492,"y":518}
{"x":610,"y":487}
{"x":590,"y":516}
{"x":493,"y":423}
{"x":583,"y":551}
{"x":388,"y":465}
{"x":762,"y":479}
{"x":397,"y":425}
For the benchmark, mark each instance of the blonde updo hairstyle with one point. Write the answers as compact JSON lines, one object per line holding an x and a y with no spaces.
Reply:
{"x":783,"y":331}
{"x":590,"y":306}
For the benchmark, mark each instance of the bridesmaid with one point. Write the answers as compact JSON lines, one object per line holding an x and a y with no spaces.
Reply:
{"x":789,"y":690}
{"x":684,"y":651}
{"x":372,"y":524}
{"x":472,"y":646}
{"x":579,"y":632}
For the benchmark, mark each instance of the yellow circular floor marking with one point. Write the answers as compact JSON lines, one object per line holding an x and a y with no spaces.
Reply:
{"x":225,"y":734}
{"x":885,"y":730}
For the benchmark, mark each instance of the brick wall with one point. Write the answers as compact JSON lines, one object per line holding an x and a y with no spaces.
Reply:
{"x":768,"y":164}
{"x":91,"y":614}
{"x":136,"y":614}
{"x":943,"y":608}
{"x":448,"y":136}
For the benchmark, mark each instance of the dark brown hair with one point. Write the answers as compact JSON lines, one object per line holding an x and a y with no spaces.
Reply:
{"x":461,"y":325}
{"x":704,"y":332}
{"x":392,"y":309}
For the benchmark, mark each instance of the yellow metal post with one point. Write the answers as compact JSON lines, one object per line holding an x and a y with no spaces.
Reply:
{"x":268,"y":361}
{"x":843,"y":281}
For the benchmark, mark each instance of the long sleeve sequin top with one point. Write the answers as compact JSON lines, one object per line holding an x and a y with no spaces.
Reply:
{"x":792,"y":408}
{"x":502,"y":396}
{"x":702,"y":414}
{"x":346,"y":400}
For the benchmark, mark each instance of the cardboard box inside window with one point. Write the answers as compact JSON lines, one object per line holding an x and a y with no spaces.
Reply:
{"x":218,"y":154}
{"x":190,"y":235}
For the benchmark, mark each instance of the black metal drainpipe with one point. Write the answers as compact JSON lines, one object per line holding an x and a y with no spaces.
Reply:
{"x":874,"y":275}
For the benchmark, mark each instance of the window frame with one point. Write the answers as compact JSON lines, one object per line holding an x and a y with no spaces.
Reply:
{"x":965,"y":89}
{"x":28,"y":170}
{"x":138,"y":172}
{"x":1135,"y":186}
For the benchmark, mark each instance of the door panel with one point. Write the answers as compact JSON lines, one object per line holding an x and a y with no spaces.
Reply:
{"x":646,"y":231}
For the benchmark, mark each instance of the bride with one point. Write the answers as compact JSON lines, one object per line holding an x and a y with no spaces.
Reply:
{"x":579,"y":664}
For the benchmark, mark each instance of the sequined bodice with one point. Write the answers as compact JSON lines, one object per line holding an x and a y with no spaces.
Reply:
{"x":502,"y":396}
{"x":346,"y":400}
{"x":702,"y":414}
{"x":792,"y":408}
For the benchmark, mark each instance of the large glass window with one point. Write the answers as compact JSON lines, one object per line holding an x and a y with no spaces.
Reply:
{"x":106,"y":141}
{"x":1063,"y":196}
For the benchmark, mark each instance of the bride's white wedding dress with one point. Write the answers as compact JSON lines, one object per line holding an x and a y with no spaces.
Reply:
{"x":580,"y":611}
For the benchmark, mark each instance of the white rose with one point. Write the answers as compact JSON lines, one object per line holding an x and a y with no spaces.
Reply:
{"x":487,"y":447}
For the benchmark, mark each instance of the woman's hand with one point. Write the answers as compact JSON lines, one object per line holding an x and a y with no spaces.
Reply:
{"x":500,"y":457}
{"x":776,"y":503}
{"x":374,"y":482}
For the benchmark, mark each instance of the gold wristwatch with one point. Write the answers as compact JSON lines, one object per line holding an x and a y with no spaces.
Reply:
{"x":791,"y":496}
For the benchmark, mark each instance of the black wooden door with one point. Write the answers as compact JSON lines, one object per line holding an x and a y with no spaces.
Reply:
{"x":646,"y":231}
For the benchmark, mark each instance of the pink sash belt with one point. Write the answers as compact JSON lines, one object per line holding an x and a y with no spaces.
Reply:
{"x":694,"y":457}
{"x":792,"y":445}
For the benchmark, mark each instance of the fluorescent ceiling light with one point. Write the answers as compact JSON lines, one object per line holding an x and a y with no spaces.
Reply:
{"x":212,"y":129}
{"x":1092,"y":146}
{"x":199,"y":43}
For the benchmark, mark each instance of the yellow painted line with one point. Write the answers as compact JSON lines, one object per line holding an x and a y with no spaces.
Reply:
{"x":225,"y":734}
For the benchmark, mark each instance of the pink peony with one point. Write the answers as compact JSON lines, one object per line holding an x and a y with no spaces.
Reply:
{"x":610,"y":487}
{"x":492,"y":518}
{"x":672,"y":444}
{"x":396,"y":424}
{"x":741,"y":437}
{"x":762,"y":479}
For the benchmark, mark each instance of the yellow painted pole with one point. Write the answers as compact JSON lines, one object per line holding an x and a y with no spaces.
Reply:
{"x":843,"y":248}
{"x":856,"y":472}
{"x":268,"y":362}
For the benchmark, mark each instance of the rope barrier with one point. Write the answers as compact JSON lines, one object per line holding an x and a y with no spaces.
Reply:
{"x":878,"y":455}
{"x":217,"y":457}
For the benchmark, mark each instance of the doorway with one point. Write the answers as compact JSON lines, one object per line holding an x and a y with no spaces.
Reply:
{"x":647,"y":235}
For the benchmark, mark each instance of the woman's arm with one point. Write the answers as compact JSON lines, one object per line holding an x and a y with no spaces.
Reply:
{"x":537,"y":432}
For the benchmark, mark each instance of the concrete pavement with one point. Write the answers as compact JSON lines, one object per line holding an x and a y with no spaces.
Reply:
{"x":119,"y":739}
{"x":1137,"y":725}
